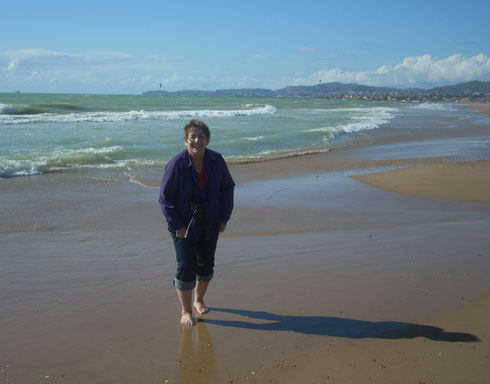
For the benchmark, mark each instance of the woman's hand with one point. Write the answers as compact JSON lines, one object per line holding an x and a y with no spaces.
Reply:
{"x":222,"y":227}
{"x":180,"y":233}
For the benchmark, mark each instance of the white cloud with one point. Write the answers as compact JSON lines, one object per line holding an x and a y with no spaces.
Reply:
{"x":39,"y":70}
{"x":307,"y":50}
{"x":421,"y":71}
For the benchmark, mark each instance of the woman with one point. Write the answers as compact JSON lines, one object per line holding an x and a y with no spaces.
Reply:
{"x":196,"y":198}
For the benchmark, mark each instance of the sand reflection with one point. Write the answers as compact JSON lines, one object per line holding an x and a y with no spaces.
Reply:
{"x":196,"y":356}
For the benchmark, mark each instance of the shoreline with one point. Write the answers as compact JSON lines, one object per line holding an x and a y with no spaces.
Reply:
{"x":363,"y":140}
{"x":313,"y":271}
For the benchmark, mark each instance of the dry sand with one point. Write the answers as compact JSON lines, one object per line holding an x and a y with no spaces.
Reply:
{"x":461,"y":181}
{"x":319,"y":279}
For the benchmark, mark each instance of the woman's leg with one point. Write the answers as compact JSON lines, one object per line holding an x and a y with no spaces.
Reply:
{"x":185,"y":277}
{"x":201,"y":288}
{"x":185,"y":298}
{"x":205,"y":271}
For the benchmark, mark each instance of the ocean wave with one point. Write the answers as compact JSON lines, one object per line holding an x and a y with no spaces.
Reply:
{"x":434,"y":106}
{"x":38,"y":109}
{"x":363,"y":109}
{"x":18,"y":109}
{"x":6,"y":109}
{"x":274,"y":154}
{"x":247,"y":139}
{"x":62,"y":105}
{"x":371,"y":118}
{"x":61,"y":160}
{"x":7,"y":116}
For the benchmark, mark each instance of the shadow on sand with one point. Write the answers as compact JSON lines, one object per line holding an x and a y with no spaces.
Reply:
{"x":339,"y":327}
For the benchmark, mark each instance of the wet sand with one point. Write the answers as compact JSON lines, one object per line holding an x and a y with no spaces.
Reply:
{"x":320,"y":277}
{"x":461,"y":181}
{"x":482,"y":108}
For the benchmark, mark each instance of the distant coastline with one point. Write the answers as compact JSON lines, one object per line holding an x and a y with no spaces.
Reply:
{"x":473,"y":91}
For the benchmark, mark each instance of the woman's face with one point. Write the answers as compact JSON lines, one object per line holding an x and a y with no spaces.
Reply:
{"x":196,"y":142}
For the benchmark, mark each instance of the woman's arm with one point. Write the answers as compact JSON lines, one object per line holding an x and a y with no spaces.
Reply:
{"x":168,"y":197}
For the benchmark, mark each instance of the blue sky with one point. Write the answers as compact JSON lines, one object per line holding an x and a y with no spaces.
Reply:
{"x":132,"y":46}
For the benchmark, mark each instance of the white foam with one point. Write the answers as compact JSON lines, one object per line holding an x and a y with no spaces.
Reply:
{"x":321,"y":129}
{"x":63,"y":160}
{"x":257,"y":138}
{"x":363,"y":110}
{"x":371,"y":118}
{"x":241,"y":139}
{"x":434,"y":106}
{"x":6,"y":109}
{"x":107,"y":116}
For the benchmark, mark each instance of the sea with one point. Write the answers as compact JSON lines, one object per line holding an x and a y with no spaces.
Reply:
{"x":136,"y":135}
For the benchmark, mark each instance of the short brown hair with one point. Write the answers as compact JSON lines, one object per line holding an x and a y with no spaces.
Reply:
{"x":197,"y":124}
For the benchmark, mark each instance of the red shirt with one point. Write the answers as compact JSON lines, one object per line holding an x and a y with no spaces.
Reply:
{"x":200,"y":176}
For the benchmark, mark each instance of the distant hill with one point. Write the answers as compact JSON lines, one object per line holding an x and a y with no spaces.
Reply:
{"x":471,"y":87}
{"x":336,"y":89}
{"x":469,"y":90}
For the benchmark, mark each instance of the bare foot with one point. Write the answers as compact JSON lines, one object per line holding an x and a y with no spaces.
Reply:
{"x":200,"y":308}
{"x":187,"y":319}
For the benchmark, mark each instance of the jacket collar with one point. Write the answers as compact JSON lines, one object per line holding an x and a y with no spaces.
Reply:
{"x":209,"y":158}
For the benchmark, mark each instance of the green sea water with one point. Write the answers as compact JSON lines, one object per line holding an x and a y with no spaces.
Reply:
{"x":46,"y":133}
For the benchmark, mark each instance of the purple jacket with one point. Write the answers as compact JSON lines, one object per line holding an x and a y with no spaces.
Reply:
{"x":180,"y":189}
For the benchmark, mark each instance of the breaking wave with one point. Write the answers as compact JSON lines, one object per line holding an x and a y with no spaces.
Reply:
{"x":37,"y":164}
{"x":23,"y":114}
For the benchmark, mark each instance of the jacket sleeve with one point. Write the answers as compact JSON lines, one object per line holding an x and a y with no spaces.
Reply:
{"x":168,"y":197}
{"x":227,"y":190}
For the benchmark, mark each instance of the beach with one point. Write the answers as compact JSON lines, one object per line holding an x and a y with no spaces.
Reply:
{"x":364,"y":263}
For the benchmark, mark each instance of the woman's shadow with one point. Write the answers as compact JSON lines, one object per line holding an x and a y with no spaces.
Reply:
{"x":339,"y":326}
